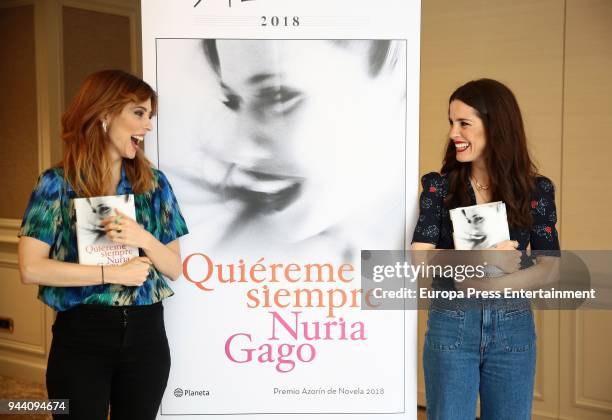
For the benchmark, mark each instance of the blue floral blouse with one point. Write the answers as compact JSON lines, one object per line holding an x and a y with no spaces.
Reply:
{"x":434,"y":225}
{"x":51,"y":218}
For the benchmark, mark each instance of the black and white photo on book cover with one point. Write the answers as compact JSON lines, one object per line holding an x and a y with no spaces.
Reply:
{"x":286,"y":143}
{"x":93,"y":245}
{"x":479,"y":227}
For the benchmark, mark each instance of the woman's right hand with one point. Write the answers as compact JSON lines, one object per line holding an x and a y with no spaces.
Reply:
{"x":131,"y":273}
{"x":506,"y":256}
{"x":505,"y":246}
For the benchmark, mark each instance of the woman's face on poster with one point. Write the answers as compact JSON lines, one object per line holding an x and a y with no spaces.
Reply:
{"x":477,"y":223}
{"x":482,"y":223}
{"x":306,"y":131}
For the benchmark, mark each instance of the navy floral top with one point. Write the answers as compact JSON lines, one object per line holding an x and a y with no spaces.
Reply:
{"x":434,"y":225}
{"x":51,"y":218}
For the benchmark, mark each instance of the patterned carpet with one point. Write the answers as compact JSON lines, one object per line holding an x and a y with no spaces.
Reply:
{"x":12,"y":388}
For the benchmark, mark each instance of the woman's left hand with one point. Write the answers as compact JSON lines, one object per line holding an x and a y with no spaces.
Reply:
{"x":124,"y":230}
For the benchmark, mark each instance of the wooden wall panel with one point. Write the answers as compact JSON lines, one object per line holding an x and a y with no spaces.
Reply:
{"x":21,"y":305}
{"x":587,"y":179}
{"x":586,"y":337}
{"x":18,"y":116}
{"x":93,"y":41}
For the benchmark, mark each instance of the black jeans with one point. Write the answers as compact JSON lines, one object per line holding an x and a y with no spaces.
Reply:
{"x":105,"y":356}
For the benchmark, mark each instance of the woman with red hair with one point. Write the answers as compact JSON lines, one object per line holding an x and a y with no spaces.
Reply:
{"x":109,"y":343}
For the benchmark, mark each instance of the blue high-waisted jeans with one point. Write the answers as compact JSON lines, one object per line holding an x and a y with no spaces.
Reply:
{"x":489,"y":348}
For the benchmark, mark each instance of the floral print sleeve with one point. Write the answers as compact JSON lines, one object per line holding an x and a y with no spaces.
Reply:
{"x":429,"y":225}
{"x":543,"y":235}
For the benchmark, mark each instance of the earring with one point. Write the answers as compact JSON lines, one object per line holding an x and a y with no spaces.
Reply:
{"x":104,"y":126}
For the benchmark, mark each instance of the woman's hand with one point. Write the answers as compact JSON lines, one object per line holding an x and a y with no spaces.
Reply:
{"x":506,"y":256}
{"x":124,"y":230}
{"x":505,"y":245}
{"x":131,"y":273}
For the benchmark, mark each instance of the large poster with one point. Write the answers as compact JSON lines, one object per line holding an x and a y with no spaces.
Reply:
{"x":288,"y":130}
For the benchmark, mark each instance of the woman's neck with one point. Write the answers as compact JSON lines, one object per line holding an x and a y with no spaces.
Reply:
{"x":480,"y":181}
{"x":115,"y":176}
{"x":480,"y":174}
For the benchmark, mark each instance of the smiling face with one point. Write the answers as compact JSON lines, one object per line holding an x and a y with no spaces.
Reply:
{"x":281,"y":107}
{"x":126,"y":130}
{"x":467,"y":132}
{"x":298,"y":133}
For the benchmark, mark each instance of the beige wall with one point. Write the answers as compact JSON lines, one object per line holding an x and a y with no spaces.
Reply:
{"x":519,"y":43}
{"x":556,"y":56}
{"x":587,"y":125}
{"x":586,"y":337}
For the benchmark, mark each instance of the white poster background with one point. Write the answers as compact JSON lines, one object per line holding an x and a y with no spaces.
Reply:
{"x":346,"y":377}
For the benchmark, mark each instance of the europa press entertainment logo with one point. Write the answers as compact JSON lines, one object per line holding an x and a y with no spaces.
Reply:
{"x":178,"y":392}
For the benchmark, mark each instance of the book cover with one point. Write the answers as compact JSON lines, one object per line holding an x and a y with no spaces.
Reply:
{"x":480,"y":226}
{"x":93,"y":245}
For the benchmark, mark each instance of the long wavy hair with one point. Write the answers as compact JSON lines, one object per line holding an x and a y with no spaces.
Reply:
{"x":510,"y":168}
{"x":86,"y":163}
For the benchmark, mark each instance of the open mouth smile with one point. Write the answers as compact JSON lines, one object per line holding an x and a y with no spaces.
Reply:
{"x":461,"y":146}
{"x":137,"y":139}
{"x":263,"y":191}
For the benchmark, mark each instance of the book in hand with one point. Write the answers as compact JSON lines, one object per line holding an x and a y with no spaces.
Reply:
{"x":94,"y":247}
{"x":479,"y":227}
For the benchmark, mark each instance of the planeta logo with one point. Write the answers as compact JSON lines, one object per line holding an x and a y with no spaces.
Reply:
{"x":183,"y":392}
